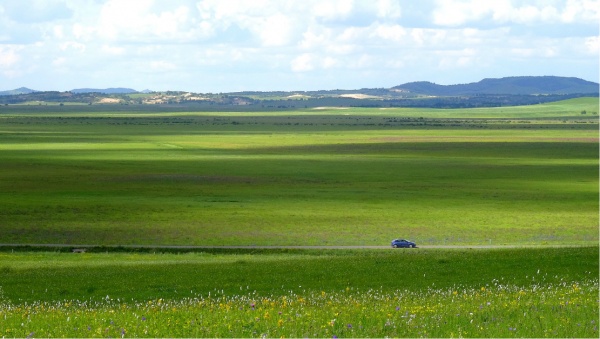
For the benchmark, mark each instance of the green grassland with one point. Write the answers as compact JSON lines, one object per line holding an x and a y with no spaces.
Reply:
{"x":145,"y":176}
{"x":543,"y":292}
{"x":510,"y":175}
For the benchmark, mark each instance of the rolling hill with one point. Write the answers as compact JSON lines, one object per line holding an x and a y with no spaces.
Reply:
{"x":17,"y":91}
{"x":525,"y":85}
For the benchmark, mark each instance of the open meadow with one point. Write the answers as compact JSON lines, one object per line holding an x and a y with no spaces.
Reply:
{"x":140,"y":175}
{"x":508,"y":175}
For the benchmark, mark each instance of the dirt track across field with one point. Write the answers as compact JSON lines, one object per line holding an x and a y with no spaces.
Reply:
{"x":250,"y":247}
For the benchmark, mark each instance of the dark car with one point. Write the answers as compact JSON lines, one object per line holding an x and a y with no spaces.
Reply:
{"x":403,"y":243}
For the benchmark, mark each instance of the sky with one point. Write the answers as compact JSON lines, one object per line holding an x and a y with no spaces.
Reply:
{"x":213,"y":46}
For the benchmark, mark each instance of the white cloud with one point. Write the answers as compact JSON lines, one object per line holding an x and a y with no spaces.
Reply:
{"x":344,"y":48}
{"x":72,"y":46}
{"x":276,"y":30}
{"x":581,"y":10}
{"x":314,"y":38}
{"x":332,"y":10}
{"x":460,"y":12}
{"x":269,"y":23}
{"x":58,"y":32}
{"x":390,"y":32}
{"x":303,"y":63}
{"x":362,"y":61}
{"x":113,"y":50}
{"x":592,"y":45}
{"x":329,"y":62}
{"x":453,"y":59}
{"x":9,"y":56}
{"x":388,"y":9}
{"x":456,"y":12}
{"x":10,"y":59}
{"x":82,"y":32}
{"x":140,"y":19}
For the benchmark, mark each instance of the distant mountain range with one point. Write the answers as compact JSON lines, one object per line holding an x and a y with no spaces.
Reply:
{"x":17,"y":91}
{"x":528,"y":85}
{"x":522,"y":85}
{"x":510,"y":91}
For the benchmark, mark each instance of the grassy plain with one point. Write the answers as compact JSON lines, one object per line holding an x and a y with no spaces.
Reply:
{"x":139,"y":175}
{"x":518,"y":175}
{"x":545,"y":292}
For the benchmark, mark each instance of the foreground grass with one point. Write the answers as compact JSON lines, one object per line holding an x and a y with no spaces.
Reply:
{"x":544,"y":292}
{"x":494,"y":310}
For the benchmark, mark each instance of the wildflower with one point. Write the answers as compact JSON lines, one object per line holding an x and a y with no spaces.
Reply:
{"x":280,"y":322}
{"x":349,"y":326}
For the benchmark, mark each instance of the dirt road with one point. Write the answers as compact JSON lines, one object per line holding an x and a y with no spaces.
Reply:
{"x":184,"y":247}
